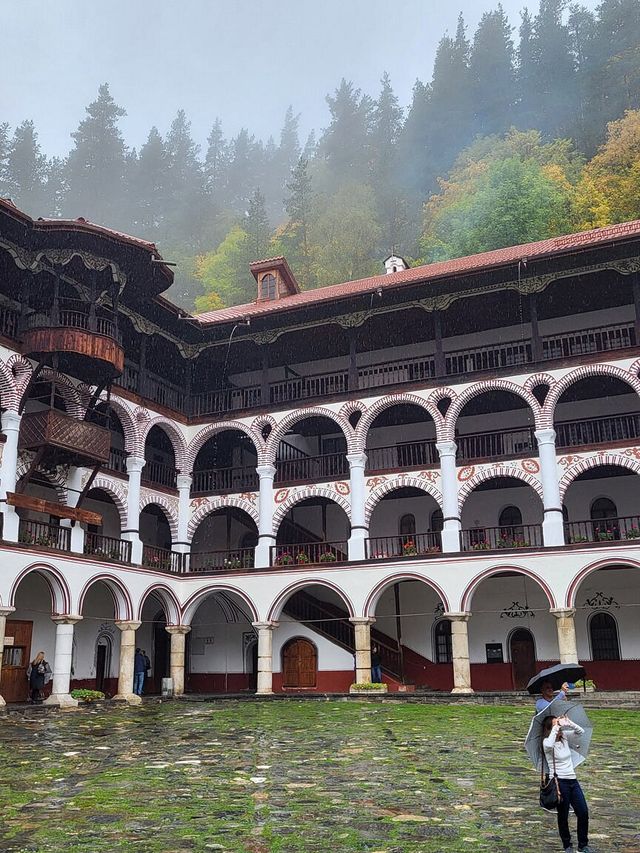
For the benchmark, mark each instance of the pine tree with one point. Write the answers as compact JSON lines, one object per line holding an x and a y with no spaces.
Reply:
{"x":257,"y":224}
{"x":345,"y":144}
{"x":582,"y":32}
{"x":148,"y":187}
{"x":616,"y":60}
{"x":492,"y":74}
{"x":216,"y":164}
{"x":527,"y":94}
{"x":26,"y":170}
{"x":385,"y":128}
{"x":4,"y":150}
{"x":96,"y":165}
{"x":184,"y":183}
{"x":242,"y":171}
{"x":295,"y":237}
{"x":54,"y":186}
{"x":555,"y":80}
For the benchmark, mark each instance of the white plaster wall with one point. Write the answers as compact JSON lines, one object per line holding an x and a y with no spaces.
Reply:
{"x":211,"y":535}
{"x":385,"y":519}
{"x":483,"y":508}
{"x":623,"y":491}
{"x":98,"y":615}
{"x":330,"y":656}
{"x":624,"y":587}
{"x":33,"y":604}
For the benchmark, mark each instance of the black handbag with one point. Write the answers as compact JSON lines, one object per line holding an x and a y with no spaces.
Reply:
{"x":550,"y":795}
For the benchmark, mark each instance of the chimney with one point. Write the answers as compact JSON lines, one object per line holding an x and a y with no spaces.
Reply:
{"x":394,"y":263}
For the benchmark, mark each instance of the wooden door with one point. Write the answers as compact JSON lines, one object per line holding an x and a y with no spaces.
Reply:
{"x":14,"y":686}
{"x":299,"y":664}
{"x":523,"y":658}
{"x":101,"y":663}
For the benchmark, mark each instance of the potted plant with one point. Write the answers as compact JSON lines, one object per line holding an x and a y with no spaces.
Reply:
{"x":605,"y":534}
{"x":302,"y":558}
{"x":327,"y":557}
{"x":575,"y":540}
{"x":284,"y":559}
{"x":632,"y":533}
{"x":409,"y":548}
{"x":368,"y":688}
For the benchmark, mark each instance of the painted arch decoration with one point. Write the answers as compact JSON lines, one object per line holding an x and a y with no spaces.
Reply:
{"x":575,"y":464}
{"x":298,"y":415}
{"x":285,"y":499}
{"x":426,"y":481}
{"x":470,"y":476}
{"x":204,"y":506}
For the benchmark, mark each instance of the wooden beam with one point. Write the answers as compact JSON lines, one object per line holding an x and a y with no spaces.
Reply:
{"x":57,"y":510}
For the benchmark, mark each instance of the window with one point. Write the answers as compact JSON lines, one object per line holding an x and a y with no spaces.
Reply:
{"x":510,"y":517}
{"x":408,"y":525}
{"x":444,"y":653}
{"x":604,"y":637}
{"x":268,"y":286}
{"x":603,"y":508}
{"x":437,"y":521}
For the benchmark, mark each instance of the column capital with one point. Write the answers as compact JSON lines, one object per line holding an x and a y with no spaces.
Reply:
{"x":265,"y":626}
{"x":67,"y":619}
{"x":6,"y":611}
{"x":128,"y":625}
{"x":545,"y":436}
{"x":135,"y":464}
{"x":562,"y":612}
{"x":177,"y":629}
{"x":446,"y":448}
{"x":362,"y":620}
{"x":266,"y":471}
{"x":357,"y":459}
{"x":11,"y":420}
{"x":184,"y":481}
{"x":457,"y":616}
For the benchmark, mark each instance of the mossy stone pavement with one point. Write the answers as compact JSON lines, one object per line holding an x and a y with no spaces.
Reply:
{"x":299,"y":776}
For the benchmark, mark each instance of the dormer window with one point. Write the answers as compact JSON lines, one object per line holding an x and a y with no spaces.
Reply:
{"x":268,"y":286}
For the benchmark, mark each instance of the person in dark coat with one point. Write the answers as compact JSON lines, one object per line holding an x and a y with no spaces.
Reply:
{"x":376,"y":666}
{"x":39,"y":674}
{"x":139,"y":672}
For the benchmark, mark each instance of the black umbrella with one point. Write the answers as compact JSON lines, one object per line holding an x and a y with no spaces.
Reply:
{"x":557,"y":675}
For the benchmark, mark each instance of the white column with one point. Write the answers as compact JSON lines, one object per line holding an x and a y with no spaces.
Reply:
{"x":553,"y":523}
{"x":127,"y":660}
{"x":74,"y":489}
{"x":265,"y":524}
{"x":265,"y":656}
{"x":135,"y":464}
{"x":566,"y":628}
{"x":362,"y":636}
{"x":62,"y":662}
{"x":359,"y":529}
{"x":460,"y":652}
{"x":177,"y":656}
{"x":9,"y":472}
{"x":181,"y":545}
{"x":451,"y":526}
{"x":4,"y":612}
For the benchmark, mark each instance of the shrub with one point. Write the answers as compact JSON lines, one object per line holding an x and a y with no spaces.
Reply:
{"x":85,"y":695}
{"x":371,"y":685}
{"x":327,"y":557}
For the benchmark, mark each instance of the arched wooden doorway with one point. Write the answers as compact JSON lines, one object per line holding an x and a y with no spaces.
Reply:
{"x":523,"y":657}
{"x":299,"y":663}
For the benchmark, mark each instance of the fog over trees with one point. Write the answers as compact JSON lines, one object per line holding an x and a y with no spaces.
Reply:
{"x":519,"y":135}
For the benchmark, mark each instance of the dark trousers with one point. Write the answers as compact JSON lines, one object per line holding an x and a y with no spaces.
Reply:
{"x":572,"y":796}
{"x":35,"y":695}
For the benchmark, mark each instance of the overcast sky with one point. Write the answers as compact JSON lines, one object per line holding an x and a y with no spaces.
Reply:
{"x":242,"y":60}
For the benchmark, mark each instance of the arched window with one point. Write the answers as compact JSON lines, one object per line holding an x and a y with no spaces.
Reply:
{"x":603,"y":508}
{"x":604,"y":637}
{"x":408,"y":525}
{"x":510,"y":517}
{"x":437,"y":521}
{"x":444,"y":652}
{"x":268,"y":286}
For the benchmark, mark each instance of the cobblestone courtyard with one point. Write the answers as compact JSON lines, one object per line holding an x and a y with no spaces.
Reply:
{"x":295,"y":775}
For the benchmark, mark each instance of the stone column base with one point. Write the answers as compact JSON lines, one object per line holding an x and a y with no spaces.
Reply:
{"x":129,"y":698}
{"x":64,"y":700}
{"x":467,"y":691}
{"x":2,"y":702}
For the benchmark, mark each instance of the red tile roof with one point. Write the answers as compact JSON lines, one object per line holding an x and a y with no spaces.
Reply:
{"x":428,"y":272}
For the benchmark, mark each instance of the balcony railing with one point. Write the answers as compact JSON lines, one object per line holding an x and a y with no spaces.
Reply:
{"x":492,"y":445}
{"x":314,"y":468}
{"x":56,"y":429}
{"x":408,"y":545}
{"x":161,"y":559}
{"x":602,"y":339}
{"x":117,"y":460}
{"x":413,"y":454}
{"x":397,"y":372}
{"x":44,"y":535}
{"x":499,"y":538}
{"x":75,"y":314}
{"x":217,"y":480}
{"x":490,"y":357}
{"x":598,"y":430}
{"x":107,"y":548}
{"x":308,"y":553}
{"x":9,"y":322}
{"x":160,"y":474}
{"x":220,"y":561}
{"x":153,"y":387}
{"x":602,"y":530}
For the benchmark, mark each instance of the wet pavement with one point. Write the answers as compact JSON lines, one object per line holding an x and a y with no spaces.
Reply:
{"x":299,"y":776}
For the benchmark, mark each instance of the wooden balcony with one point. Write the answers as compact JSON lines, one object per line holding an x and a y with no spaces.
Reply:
{"x":107,"y":548}
{"x":218,"y":481}
{"x":403,"y":456}
{"x":41,"y":534}
{"x":159,"y":474}
{"x":75,"y":440}
{"x":161,"y":559}
{"x":308,"y":553}
{"x":602,"y":530}
{"x":502,"y":538}
{"x":212,"y":562}
{"x":409,"y":545}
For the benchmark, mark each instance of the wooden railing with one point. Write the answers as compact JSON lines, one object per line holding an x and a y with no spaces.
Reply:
{"x":597,"y":430}
{"x":56,"y":429}
{"x":44,"y":535}
{"x":153,"y":387}
{"x":493,"y":445}
{"x":314,"y":468}
{"x":499,"y":538}
{"x":75,"y":314}
{"x":602,"y":530}
{"x":397,"y":372}
{"x":9,"y":322}
{"x":308,"y":553}
{"x":107,"y":548}
{"x":491,"y":357}
{"x":601,"y":339}
{"x":216,"y":480}
{"x":160,"y":474}
{"x":161,"y":559}
{"x":117,"y":460}
{"x":408,"y":545}
{"x":205,"y":562}
{"x":411,"y":454}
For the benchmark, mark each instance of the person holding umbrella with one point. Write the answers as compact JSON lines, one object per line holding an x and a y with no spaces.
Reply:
{"x":559,"y":757}
{"x":547,"y":694}
{"x":552,"y":679}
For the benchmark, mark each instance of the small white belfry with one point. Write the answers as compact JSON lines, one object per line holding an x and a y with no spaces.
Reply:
{"x":394,"y":263}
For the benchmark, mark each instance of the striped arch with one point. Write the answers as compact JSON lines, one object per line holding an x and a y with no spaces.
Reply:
{"x":117,"y":492}
{"x":170,"y":509}
{"x":127,"y":421}
{"x":215,"y":504}
{"x":175,"y":436}
{"x":122,"y":606}
{"x":21,"y":370}
{"x":610,"y":458}
{"x":276,"y":607}
{"x":55,"y":580}
{"x":539,"y":379}
{"x":9,"y":396}
{"x":479,"y":388}
{"x":292,"y":418}
{"x":191,"y":604}
{"x":400,"y":482}
{"x":384,"y":403}
{"x":584,"y":372}
{"x":376,"y":593}
{"x":67,"y":390}
{"x":197,"y":443}
{"x":491,"y":474}
{"x":57,"y":481}
{"x":304,"y":494}
{"x":579,"y":577}
{"x":168,"y":600}
{"x":472,"y":586}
